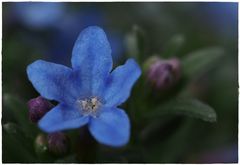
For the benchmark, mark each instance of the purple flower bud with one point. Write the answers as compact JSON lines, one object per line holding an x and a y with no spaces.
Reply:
{"x":38,"y":107}
{"x":163,"y":74}
{"x":58,"y":143}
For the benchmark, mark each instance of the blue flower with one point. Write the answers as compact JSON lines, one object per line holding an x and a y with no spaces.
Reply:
{"x":88,"y":93}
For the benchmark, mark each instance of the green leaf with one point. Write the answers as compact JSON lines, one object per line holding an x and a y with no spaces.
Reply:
{"x":17,"y":147}
{"x":19,"y":112}
{"x":188,"y":107}
{"x":173,"y":46}
{"x":202,"y":60}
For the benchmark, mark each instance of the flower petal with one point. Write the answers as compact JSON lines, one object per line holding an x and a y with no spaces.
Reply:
{"x":120,"y":82}
{"x":54,"y":81}
{"x":62,"y":117}
{"x":92,"y":57}
{"x":111,"y":127}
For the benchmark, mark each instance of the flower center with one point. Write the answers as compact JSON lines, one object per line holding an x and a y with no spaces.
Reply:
{"x":89,"y":106}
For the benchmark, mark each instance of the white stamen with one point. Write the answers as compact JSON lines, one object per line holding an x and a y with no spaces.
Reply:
{"x":89,"y":106}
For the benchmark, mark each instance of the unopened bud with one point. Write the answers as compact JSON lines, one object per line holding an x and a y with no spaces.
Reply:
{"x":38,"y":107}
{"x":163,"y":74}
{"x":41,"y":144}
{"x":58,"y":143}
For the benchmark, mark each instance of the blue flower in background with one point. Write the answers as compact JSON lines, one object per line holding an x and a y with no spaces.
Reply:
{"x":39,"y":15}
{"x":88,"y":92}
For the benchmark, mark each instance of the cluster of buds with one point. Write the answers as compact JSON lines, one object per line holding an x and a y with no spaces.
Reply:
{"x":162,"y":74}
{"x":56,"y":143}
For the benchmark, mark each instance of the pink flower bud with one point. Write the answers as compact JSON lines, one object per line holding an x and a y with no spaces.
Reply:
{"x":163,"y":74}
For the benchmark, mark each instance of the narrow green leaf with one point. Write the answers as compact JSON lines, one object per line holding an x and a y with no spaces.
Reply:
{"x":135,"y":43}
{"x":202,"y":60}
{"x":173,"y":46}
{"x":131,"y":45}
{"x":188,"y":107}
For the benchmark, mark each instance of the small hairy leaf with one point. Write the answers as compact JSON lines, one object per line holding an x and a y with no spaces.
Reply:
{"x":188,"y":107}
{"x":199,"y":61}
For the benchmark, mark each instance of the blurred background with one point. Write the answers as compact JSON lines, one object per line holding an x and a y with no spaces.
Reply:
{"x":48,"y":31}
